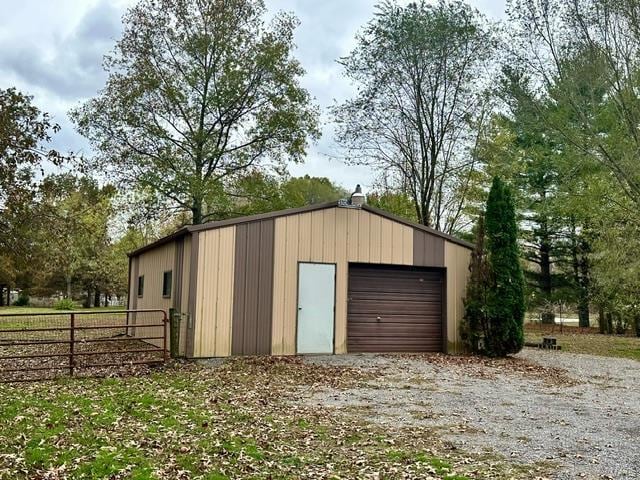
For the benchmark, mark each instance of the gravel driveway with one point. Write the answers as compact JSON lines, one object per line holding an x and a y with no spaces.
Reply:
{"x":580,"y":413}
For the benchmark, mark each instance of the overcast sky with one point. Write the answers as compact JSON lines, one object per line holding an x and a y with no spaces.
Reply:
{"x":52,"y":49}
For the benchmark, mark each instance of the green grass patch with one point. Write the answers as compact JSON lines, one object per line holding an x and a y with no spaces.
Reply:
{"x":573,"y":341}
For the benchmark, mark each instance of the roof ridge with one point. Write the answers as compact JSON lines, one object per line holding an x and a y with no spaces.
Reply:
{"x":293,"y":211}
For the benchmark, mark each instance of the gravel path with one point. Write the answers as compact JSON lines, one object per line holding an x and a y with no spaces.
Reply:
{"x":587,"y":429}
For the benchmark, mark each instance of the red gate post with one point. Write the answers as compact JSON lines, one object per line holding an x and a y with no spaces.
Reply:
{"x":72,"y":339}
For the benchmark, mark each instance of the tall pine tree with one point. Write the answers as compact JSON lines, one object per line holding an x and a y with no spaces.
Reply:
{"x":505,"y":298}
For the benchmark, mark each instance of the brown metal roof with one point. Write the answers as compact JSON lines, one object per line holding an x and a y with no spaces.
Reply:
{"x":292,"y":211}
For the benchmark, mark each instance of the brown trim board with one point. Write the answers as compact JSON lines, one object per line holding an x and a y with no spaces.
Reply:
{"x":176,"y":288}
{"x":129,"y":286}
{"x":253,"y":288}
{"x":193,"y":290}
{"x":428,"y":250}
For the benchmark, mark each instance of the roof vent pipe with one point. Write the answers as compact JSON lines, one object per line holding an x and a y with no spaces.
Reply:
{"x":357,"y":197}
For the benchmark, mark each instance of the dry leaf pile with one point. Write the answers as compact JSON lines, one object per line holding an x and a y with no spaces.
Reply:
{"x":484,"y":367}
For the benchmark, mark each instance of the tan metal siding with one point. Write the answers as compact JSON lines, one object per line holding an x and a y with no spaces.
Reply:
{"x":456,"y":259}
{"x":152,"y":264}
{"x":338,"y":235}
{"x":214,"y":292}
{"x":253,"y":289}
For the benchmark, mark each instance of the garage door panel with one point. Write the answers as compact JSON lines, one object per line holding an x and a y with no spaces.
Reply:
{"x":393,"y":329}
{"x":366,"y":317}
{"x":420,"y":307}
{"x":394,"y":309}
{"x":428,"y":296}
{"x":392,"y":285}
{"x":428,"y":307}
{"x":393,"y":274}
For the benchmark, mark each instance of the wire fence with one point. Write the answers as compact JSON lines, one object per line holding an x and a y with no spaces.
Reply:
{"x":39,"y":346}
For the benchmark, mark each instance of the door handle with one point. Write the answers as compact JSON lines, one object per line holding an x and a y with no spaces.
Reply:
{"x":299,"y":308}
{"x":378,"y":318}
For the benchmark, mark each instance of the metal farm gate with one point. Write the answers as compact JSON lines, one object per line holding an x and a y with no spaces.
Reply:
{"x":43,"y":346}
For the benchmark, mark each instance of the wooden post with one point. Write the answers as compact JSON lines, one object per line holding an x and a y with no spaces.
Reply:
{"x":166,"y":323}
{"x":72,"y":340}
{"x":174,"y":331}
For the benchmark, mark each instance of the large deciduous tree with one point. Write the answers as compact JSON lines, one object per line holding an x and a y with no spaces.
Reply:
{"x":198,"y":91}
{"x":24,"y":134}
{"x":76,"y":242}
{"x":419,"y":70}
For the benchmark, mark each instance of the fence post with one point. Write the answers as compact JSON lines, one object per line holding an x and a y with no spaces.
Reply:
{"x":165,"y":321}
{"x":72,"y":341}
{"x":174,"y":331}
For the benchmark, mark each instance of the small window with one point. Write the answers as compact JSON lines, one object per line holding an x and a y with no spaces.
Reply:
{"x":140,"y":285}
{"x":166,"y":284}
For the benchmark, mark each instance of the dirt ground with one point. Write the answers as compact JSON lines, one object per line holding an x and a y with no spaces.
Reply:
{"x":576,"y":413}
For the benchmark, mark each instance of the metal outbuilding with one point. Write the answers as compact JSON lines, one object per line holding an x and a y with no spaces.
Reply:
{"x":327,"y":278}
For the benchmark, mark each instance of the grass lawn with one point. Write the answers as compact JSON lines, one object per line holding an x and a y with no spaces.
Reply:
{"x":238,"y":420}
{"x":575,"y":340}
{"x":13,"y":309}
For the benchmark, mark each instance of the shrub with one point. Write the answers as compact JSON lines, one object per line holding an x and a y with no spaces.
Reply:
{"x":473,"y":328}
{"x":22,"y":300}
{"x":65,"y":304}
{"x":505,"y":297}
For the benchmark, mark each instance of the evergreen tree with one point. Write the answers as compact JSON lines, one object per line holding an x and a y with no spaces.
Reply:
{"x":505,"y":296}
{"x":474,"y":324}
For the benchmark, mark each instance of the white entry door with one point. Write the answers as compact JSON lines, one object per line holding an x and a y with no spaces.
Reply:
{"x":316,"y":300}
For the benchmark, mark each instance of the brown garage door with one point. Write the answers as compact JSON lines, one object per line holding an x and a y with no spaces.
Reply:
{"x":394,"y":309}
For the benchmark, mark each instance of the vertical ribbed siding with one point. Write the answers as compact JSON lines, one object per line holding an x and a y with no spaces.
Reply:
{"x":428,"y":250}
{"x":184,"y":290}
{"x":193,"y":293}
{"x":214,"y":287}
{"x":152,"y":264}
{"x":253,"y":288}
{"x":456,"y":260}
{"x":132,"y":301}
{"x":337,"y":235}
{"x":178,"y":271}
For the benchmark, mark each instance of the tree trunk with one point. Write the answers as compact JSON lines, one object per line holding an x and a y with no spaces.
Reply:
{"x":584,"y":281}
{"x":609,"y":323}
{"x":583,"y":311}
{"x":545,"y":280}
{"x":87,"y":300}
{"x":1,"y":296}
{"x":8,"y":295}
{"x":602,"y":323}
{"x":68,"y":279}
{"x":196,"y":211}
{"x":96,"y":298}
